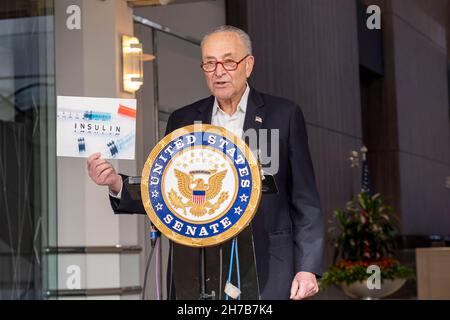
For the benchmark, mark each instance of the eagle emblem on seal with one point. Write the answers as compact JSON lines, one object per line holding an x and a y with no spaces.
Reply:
{"x":198,"y":192}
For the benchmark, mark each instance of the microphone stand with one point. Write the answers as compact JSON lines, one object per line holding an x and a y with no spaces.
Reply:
{"x":202,"y":272}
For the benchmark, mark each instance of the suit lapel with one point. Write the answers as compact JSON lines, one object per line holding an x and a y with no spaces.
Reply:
{"x":254,"y":116}
{"x":205,"y":111}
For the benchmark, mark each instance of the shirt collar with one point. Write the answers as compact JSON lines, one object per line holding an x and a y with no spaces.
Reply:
{"x":242,"y":105}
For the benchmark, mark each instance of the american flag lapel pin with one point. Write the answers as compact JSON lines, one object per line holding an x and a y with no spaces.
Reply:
{"x":258,"y":119}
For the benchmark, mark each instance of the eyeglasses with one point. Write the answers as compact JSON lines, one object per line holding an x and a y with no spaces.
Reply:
{"x":229,"y":65}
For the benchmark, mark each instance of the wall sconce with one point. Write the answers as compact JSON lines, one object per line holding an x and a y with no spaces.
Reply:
{"x":132,"y":63}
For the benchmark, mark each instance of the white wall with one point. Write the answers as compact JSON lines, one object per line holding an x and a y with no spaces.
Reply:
{"x":87,"y":64}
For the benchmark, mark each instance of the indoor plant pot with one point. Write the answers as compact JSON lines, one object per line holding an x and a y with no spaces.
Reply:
{"x":365,"y":239}
{"x":359,"y":290}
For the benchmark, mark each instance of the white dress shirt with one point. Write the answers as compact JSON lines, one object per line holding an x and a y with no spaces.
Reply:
{"x":233,"y":123}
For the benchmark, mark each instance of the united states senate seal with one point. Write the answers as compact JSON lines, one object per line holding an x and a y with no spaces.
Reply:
{"x":201,"y":185}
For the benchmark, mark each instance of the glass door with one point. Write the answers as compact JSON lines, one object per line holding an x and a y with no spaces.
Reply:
{"x":27,"y":149}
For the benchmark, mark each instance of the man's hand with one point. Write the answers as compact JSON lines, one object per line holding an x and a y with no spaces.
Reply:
{"x":304,"y":285}
{"x":103,"y":173}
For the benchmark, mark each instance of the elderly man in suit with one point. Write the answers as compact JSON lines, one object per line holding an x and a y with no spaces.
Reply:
{"x":288,"y":228}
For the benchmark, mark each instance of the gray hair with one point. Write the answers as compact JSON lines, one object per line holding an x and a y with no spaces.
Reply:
{"x":245,"y":38}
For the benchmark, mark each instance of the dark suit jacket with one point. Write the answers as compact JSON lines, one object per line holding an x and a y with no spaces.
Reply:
{"x":288,"y":228}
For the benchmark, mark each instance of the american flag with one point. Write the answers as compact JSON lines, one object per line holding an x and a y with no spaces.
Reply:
{"x":366,"y":185}
{"x":198,"y":196}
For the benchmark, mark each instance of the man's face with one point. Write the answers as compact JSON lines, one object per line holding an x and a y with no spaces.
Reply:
{"x":224,"y":46}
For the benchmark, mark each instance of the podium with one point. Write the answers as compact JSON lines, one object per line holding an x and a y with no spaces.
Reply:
{"x":201,"y":187}
{"x":201,"y":273}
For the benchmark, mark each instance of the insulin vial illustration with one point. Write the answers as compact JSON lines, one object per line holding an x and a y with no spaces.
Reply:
{"x":117,"y":146}
{"x":81,"y":145}
{"x":97,"y":116}
{"x":72,"y":114}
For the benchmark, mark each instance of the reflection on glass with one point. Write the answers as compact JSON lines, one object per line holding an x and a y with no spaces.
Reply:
{"x":27,"y":197}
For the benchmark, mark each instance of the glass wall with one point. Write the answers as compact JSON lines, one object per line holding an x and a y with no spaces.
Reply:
{"x":27,"y":149}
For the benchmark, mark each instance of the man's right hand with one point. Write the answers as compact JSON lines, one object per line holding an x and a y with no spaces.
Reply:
{"x":103,"y":173}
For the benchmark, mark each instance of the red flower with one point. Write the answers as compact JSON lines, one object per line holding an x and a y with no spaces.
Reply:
{"x":363,"y":216}
{"x":384,"y":263}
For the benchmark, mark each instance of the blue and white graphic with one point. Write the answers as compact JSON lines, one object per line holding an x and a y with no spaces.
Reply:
{"x":89,"y":125}
{"x":201,"y":188}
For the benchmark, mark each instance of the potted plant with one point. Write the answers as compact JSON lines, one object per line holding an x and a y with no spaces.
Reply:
{"x":363,"y":237}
